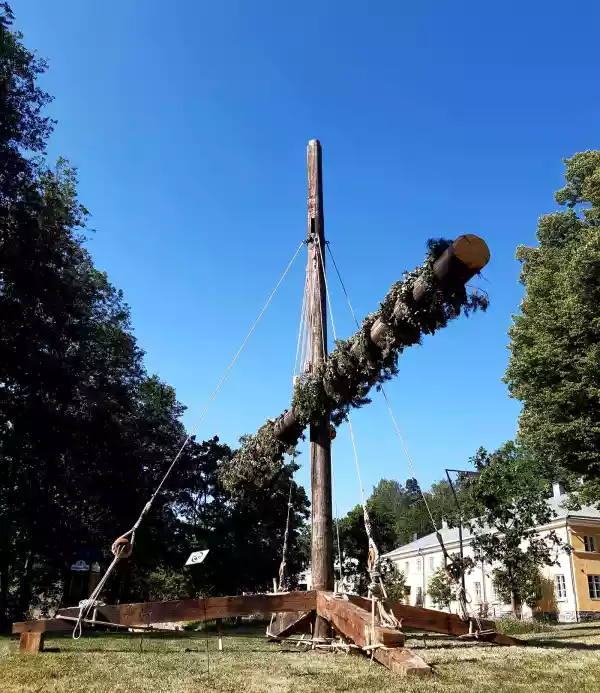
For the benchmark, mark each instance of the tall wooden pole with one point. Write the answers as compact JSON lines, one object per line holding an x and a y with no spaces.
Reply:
{"x":320,"y":436}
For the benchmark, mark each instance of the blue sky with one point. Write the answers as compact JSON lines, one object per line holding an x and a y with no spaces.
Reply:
{"x":189,"y":123}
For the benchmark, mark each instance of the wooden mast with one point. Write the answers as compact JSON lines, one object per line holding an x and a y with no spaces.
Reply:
{"x":320,"y":436}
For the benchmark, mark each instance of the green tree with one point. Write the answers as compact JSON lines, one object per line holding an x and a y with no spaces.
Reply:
{"x":83,"y":431}
{"x":508,"y":500}
{"x":554,"y":366}
{"x":394,"y":581}
{"x":441,"y":588}
{"x":526,"y":583}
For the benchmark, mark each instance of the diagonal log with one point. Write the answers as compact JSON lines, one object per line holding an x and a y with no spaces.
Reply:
{"x":467,"y":255}
{"x":356,"y":624}
{"x":434,"y":621}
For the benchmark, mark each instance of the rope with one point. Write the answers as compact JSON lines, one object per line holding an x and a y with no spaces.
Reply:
{"x":337,"y":527}
{"x":285,"y":540}
{"x":377,"y":590}
{"x":337,"y":521}
{"x":404,"y":446}
{"x":122,"y":547}
{"x":463,"y":598}
{"x":301,"y":332}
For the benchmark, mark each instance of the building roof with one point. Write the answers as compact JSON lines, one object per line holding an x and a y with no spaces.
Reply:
{"x":450,"y":534}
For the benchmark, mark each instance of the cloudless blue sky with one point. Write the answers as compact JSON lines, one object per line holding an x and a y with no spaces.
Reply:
{"x":189,"y":122}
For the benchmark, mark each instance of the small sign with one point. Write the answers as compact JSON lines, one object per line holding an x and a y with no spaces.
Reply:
{"x":196,"y":557}
{"x":80,"y":567}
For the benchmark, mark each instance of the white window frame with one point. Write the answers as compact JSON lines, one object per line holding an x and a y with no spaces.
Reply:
{"x":406,"y":567}
{"x":419,"y":596}
{"x":419,"y":565}
{"x":560,"y":588}
{"x":594,"y":586}
{"x":431,"y":562}
{"x":589,"y":543}
{"x":495,"y":595}
{"x":478,"y":591}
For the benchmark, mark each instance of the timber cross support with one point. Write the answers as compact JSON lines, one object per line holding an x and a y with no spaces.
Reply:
{"x":349,"y":616}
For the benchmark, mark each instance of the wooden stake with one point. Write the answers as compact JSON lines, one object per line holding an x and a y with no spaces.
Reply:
{"x":220,"y":633}
{"x":31,"y":643}
{"x":320,"y":438}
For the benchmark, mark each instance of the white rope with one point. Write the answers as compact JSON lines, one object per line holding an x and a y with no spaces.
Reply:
{"x":463,"y":598}
{"x":337,"y":527}
{"x":376,"y":587}
{"x":118,"y":546}
{"x":301,"y":331}
{"x":403,"y":442}
{"x":408,"y":457}
{"x":306,"y":350}
{"x":285,"y":540}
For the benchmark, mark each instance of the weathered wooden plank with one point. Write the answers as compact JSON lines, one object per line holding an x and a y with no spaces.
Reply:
{"x":31,"y":642}
{"x":402,"y":661}
{"x":441,"y":622}
{"x":41,"y":625}
{"x":209,"y":609}
{"x":290,"y":627}
{"x":355,"y":623}
{"x":426,"y":619}
{"x":205,"y":609}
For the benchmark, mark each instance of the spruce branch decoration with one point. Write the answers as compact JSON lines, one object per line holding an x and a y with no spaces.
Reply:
{"x":356,"y":365}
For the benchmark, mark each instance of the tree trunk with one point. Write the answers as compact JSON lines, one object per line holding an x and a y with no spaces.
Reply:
{"x":3,"y":594}
{"x":515,"y":602}
{"x":25,"y":591}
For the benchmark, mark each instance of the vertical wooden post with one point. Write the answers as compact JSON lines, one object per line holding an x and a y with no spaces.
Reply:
{"x":31,"y":643}
{"x":320,"y":437}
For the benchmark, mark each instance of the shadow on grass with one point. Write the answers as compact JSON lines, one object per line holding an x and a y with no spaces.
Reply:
{"x":558,"y":644}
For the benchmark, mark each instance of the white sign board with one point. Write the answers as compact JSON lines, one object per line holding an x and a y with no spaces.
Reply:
{"x":80,"y":567}
{"x":197,"y":557}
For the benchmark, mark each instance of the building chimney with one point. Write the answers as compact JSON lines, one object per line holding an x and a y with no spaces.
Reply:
{"x":558,"y":489}
{"x":444,"y":523}
{"x":415,"y":536}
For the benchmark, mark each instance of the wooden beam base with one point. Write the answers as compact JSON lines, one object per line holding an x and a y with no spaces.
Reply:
{"x":181,"y":610}
{"x":350,"y":617}
{"x":356,"y":624}
{"x":401,"y":660}
{"x":441,"y":622}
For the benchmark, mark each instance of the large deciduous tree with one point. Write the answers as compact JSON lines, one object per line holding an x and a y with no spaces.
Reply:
{"x":85,"y":432}
{"x":554,"y":366}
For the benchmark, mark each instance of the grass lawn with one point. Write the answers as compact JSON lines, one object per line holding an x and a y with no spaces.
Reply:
{"x":563,"y":660}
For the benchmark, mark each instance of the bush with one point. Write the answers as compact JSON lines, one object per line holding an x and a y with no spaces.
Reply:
{"x":165,"y":584}
{"x":514,"y":626}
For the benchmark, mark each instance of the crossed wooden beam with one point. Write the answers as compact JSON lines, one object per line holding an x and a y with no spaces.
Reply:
{"x":349,"y":616}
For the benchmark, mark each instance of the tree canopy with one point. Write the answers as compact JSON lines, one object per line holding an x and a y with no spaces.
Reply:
{"x":554,"y":367}
{"x":85,"y":430}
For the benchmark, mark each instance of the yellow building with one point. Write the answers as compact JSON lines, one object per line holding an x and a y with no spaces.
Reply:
{"x":572,"y":586}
